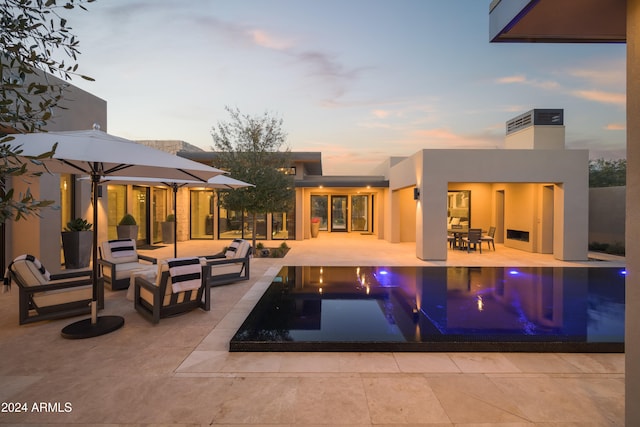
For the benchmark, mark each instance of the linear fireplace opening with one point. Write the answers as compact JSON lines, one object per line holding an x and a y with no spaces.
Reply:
{"x":522,"y":236}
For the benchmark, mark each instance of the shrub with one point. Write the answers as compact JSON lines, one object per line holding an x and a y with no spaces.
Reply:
{"x":78,"y":224}
{"x":128,"y":219}
{"x":613,"y":249}
{"x":276,"y":253}
{"x":171,"y":218}
{"x":259,"y":245}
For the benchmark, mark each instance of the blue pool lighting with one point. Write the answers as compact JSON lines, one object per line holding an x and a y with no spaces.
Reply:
{"x":547,"y":309}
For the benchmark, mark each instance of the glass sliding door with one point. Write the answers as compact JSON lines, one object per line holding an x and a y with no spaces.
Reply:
{"x":230,"y":224}
{"x":202,"y":214}
{"x":66,"y":203}
{"x":319,"y":205}
{"x":117,"y":200}
{"x":359,"y":213}
{"x":160,"y":211}
{"x":283,"y":225}
{"x":339,"y":213}
{"x":140,"y":211}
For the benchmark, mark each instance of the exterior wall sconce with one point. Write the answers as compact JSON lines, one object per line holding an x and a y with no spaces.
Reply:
{"x":416,"y":193}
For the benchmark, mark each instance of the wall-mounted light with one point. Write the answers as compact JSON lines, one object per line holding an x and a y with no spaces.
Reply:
{"x":416,"y":193}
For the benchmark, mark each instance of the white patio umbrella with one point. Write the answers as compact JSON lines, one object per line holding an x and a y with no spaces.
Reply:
{"x":98,"y":154}
{"x":218,"y":181}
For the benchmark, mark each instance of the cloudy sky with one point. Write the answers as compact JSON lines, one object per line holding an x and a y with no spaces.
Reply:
{"x":358,"y":80}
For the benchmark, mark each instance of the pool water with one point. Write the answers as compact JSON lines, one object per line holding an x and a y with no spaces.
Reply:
{"x":539,"y":309}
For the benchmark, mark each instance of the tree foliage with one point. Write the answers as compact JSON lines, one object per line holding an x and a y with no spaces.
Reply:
{"x":13,"y":165}
{"x":34,"y":40}
{"x":35,"y":43}
{"x":607,"y":173}
{"x":252,"y":149}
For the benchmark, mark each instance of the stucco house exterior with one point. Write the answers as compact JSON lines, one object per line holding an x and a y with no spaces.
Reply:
{"x":534,"y":191}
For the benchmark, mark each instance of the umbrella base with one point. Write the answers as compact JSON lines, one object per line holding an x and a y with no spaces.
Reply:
{"x":85,"y":329}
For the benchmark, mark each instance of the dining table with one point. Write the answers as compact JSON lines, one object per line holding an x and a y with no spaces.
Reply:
{"x":458,"y":234}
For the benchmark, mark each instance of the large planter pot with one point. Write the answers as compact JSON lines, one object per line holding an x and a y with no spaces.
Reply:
{"x":168,"y":231}
{"x":77,"y":247}
{"x":315,"y":229}
{"x":127,"y":232}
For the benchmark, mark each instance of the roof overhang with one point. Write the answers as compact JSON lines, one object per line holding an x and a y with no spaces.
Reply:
{"x":558,"y":21}
{"x":343,"y":182}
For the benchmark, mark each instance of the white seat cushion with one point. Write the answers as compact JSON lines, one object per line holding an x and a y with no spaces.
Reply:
{"x":120,"y":251}
{"x":61,"y":296}
{"x":237,"y":249}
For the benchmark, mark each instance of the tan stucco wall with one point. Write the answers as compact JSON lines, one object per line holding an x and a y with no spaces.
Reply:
{"x":539,"y":137}
{"x":81,"y":110}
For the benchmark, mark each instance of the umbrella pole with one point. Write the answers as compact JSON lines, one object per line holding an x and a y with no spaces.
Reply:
{"x":175,"y":219}
{"x":95,"y":182}
{"x":94,"y":326}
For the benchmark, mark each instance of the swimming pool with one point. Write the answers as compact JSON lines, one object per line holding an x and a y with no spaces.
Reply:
{"x":536,"y":309}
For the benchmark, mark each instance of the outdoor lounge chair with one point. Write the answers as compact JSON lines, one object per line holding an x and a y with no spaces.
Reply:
{"x":119,"y":259}
{"x":179,"y":288}
{"x":43,"y":296}
{"x":473,"y":238}
{"x":230,"y":266}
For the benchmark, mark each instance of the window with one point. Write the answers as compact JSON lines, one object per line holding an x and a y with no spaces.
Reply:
{"x":459,"y":208}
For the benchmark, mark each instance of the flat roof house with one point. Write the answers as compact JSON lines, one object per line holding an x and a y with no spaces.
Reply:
{"x":534,"y":191}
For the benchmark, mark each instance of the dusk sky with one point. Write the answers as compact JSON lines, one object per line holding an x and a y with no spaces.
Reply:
{"x":358,"y":80}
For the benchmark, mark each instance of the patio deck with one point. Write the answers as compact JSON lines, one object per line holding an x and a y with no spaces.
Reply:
{"x":179,"y":372}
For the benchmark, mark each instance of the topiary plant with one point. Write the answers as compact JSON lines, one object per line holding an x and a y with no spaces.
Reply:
{"x":128,"y":219}
{"x":78,"y":224}
{"x":171,"y":218}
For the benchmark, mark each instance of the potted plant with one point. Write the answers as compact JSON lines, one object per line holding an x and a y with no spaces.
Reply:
{"x":315,"y":226}
{"x":77,"y":240}
{"x":168,"y":229}
{"x":127,"y":228}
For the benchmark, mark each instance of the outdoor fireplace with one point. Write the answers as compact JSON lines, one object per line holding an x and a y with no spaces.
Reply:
{"x":522,"y":236}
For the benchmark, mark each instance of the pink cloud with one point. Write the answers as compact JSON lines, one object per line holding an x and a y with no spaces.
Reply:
{"x":261,"y":38}
{"x":615,"y":98}
{"x":381,"y":114}
{"x":616,"y":126}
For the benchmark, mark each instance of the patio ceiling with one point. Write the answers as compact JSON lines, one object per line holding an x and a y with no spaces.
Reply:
{"x":561,"y":21}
